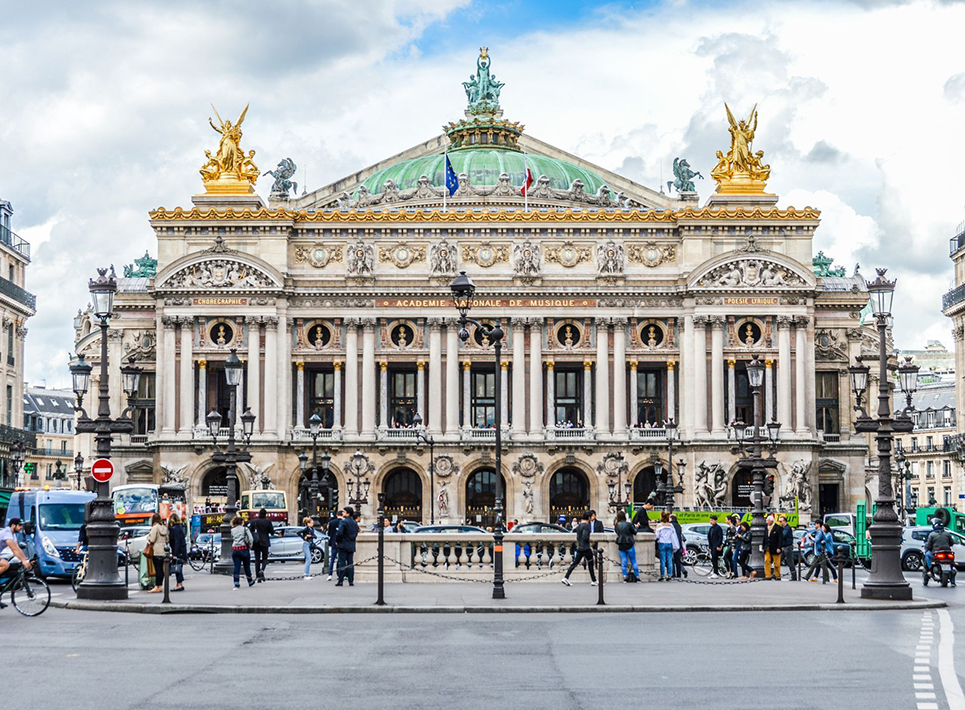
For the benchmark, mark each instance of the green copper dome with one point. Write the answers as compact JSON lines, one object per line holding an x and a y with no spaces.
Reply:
{"x":483,"y":166}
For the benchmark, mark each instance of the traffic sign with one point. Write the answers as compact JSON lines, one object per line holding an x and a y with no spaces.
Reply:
{"x":102,"y":470}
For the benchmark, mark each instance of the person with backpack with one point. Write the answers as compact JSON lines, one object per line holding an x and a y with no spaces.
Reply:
{"x":626,"y":533}
{"x":742,"y":550}
{"x":261,"y":530}
{"x":241,"y":541}
{"x":307,"y":534}
{"x":819,"y":558}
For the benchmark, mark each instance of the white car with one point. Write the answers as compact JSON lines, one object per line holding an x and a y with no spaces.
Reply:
{"x":913,"y":547}
{"x":133,"y":538}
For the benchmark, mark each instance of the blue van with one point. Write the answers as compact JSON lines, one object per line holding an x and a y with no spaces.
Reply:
{"x":56,"y":516}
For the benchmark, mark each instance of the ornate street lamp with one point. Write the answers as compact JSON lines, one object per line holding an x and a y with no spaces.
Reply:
{"x":102,"y":580}
{"x":16,"y":461}
{"x":750,"y":444}
{"x":463,"y":290}
{"x":231,"y":456}
{"x":613,"y":486}
{"x":79,"y":467}
{"x":671,"y":488}
{"x":908,"y":379}
{"x":358,"y":491}
{"x":421,"y":435}
{"x":886,"y":580}
{"x":314,"y":428}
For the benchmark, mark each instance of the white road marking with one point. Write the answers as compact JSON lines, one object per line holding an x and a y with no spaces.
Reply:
{"x":927,"y":706}
{"x":946,"y":663}
{"x":925,"y":696}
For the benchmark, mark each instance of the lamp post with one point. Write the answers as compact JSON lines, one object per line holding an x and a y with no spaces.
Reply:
{"x":670,"y":488}
{"x":616,"y":502}
{"x":16,"y":461}
{"x":231,"y":456}
{"x":102,"y":580}
{"x":752,"y":459}
{"x":904,"y":475}
{"x":358,"y":466}
{"x":421,"y":435}
{"x":463,"y":290}
{"x":79,"y":467}
{"x":314,"y":427}
{"x":886,"y":580}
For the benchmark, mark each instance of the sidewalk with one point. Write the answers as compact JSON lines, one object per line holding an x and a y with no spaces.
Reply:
{"x":214,"y":594}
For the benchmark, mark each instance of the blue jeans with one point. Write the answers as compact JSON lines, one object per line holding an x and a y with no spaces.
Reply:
{"x":629,"y":558}
{"x":665,"y":550}
{"x":346,"y":566}
{"x":332,"y":556}
{"x":241,"y":558}
{"x":307,"y":551}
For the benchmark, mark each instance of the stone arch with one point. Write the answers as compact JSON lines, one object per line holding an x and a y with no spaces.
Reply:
{"x":458,"y":483}
{"x":478,"y":495}
{"x":260,"y":274}
{"x":405,"y":494}
{"x":569,"y":492}
{"x":797,"y":275}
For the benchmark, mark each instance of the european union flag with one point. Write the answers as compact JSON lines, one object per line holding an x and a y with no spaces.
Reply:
{"x":452,"y":182}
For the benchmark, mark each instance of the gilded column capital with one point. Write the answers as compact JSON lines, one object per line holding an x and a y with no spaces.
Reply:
{"x":587,"y":364}
{"x":504,"y":365}
{"x":421,"y":365}
{"x":671,"y":364}
{"x":731,"y":363}
{"x":550,"y":364}
{"x":466,"y":364}
{"x":300,"y":365}
{"x":202,"y":363}
{"x":337,"y":365}
{"x":633,"y":365}
{"x":784,"y":322}
{"x":768,"y":362}
{"x":384,"y":365}
{"x":717,"y":322}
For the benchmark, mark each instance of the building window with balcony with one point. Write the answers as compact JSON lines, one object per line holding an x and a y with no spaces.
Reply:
{"x":826,"y":402}
{"x":914,"y":444}
{"x":402,"y":398}
{"x":650,"y":398}
{"x":9,"y":417}
{"x":143,"y":405}
{"x":483,"y":404}
{"x":929,"y":445}
{"x":322,"y":397}
{"x":568,"y":398}
{"x":931,"y":496}
{"x":744,"y":399}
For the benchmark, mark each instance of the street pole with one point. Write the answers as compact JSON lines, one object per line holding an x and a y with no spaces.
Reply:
{"x":421,"y":436}
{"x":381,"y":598}
{"x":758,"y":523}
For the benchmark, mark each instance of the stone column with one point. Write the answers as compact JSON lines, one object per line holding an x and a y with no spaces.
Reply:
{"x":587,"y":393}
{"x":271,"y":374}
{"x":254,"y":371}
{"x":732,"y":391}
{"x":700,"y":375}
{"x":384,"y":395}
{"x":634,"y":395}
{"x":368,"y":378}
{"x":602,"y":377}
{"x":115,"y":351}
{"x":169,"y":394}
{"x":810,"y":378}
{"x":351,"y":376}
{"x":551,"y":394}
{"x":337,"y":396}
{"x":240,"y":406}
{"x":434,"y":417}
{"x":283,"y":395}
{"x":186,"y":410}
{"x":504,"y":393}
{"x":202,"y":393}
{"x":420,"y":391}
{"x":300,"y":395}
{"x":519,"y":376}
{"x":671,"y":389}
{"x":452,"y":378}
{"x":620,"y":377}
{"x":686,"y":422}
{"x":536,"y":377}
{"x":466,"y":395}
{"x":768,"y":390}
{"x":800,"y":372}
{"x":784,"y":371}
{"x":717,"y":373}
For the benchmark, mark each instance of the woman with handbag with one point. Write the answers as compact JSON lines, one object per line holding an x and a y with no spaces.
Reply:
{"x":157,"y":541}
{"x":307,"y":534}
{"x":179,"y":549}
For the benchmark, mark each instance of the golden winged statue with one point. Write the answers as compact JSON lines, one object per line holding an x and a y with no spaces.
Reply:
{"x":741,"y":170}
{"x":229,"y":170}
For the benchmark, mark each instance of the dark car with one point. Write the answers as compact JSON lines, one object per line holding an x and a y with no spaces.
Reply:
{"x":449,"y":529}
{"x":843,"y":543}
{"x":538,"y":528}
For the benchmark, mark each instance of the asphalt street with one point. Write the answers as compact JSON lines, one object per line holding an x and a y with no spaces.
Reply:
{"x":897,"y":659}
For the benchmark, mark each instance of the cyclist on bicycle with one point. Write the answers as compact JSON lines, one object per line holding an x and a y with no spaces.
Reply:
{"x":82,"y":540}
{"x":8,"y":540}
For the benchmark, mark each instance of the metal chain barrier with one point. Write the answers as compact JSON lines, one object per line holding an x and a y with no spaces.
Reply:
{"x":335,"y":571}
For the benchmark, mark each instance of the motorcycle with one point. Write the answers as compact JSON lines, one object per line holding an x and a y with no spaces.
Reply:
{"x":942,"y":568}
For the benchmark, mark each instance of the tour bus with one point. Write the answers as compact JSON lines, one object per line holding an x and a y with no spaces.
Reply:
{"x":136,"y":503}
{"x":275,"y":504}
{"x":52,"y":520}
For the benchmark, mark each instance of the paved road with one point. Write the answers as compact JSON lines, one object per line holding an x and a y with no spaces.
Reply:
{"x":794,"y":660}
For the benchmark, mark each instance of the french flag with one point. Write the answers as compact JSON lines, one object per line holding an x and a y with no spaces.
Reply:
{"x":524,"y":190}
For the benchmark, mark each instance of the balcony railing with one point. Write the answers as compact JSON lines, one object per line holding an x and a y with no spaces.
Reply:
{"x":953,"y":297}
{"x":483,"y":434}
{"x":10,"y":238}
{"x":20,"y":295}
{"x":641,"y":434}
{"x":397,"y":435}
{"x":557,"y":434}
{"x":303,"y":434}
{"x":828,"y":437}
{"x":9,"y":435}
{"x":53,"y":451}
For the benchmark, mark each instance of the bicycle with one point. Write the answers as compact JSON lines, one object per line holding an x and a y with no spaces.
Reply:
{"x":80,"y":571}
{"x":700,"y":562}
{"x":30,"y":595}
{"x":201,"y":556}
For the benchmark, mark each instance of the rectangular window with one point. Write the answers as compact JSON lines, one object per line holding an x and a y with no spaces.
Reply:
{"x":650,"y":398}
{"x":914,"y":443}
{"x":402,"y":398}
{"x":946,"y":469}
{"x":9,"y":405}
{"x":321,"y":397}
{"x":568,"y":398}
{"x":143,"y":405}
{"x":947,"y":495}
{"x":928,"y":443}
{"x":826,"y":402}
{"x":483,"y":404}
{"x":10,"y":274}
{"x":931,"y":469}
{"x":931,"y":496}
{"x":10,"y":360}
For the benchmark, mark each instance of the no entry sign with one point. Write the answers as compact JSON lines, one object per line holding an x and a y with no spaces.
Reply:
{"x":102,"y":470}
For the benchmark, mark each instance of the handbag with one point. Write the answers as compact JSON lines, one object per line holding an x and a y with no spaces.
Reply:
{"x":149,"y":549}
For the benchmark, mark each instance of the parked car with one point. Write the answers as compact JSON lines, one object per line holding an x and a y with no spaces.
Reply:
{"x":133,"y":538}
{"x":449,"y":529}
{"x":913,"y":547}
{"x":538,"y":528}
{"x":843,"y":542}
{"x":285,"y":544}
{"x":695,"y":536}
{"x":207,"y":544}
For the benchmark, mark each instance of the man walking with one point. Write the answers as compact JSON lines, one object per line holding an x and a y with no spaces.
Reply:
{"x":332,"y":549}
{"x":819,"y":557}
{"x":583,"y":550}
{"x":261,"y":530}
{"x":348,"y":531}
{"x":787,"y":546}
{"x":715,"y":541}
{"x":773,"y":542}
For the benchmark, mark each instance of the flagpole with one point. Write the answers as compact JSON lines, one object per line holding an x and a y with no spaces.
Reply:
{"x":525,"y":184}
{"x":445,"y":179}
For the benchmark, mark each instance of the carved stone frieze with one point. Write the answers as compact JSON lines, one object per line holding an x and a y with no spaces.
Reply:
{"x":360,"y":259}
{"x":485,"y":254}
{"x":402,"y":254}
{"x":527,"y":466}
{"x":318,"y":255}
{"x":651,"y":254}
{"x":612,"y":465}
{"x":442,"y":259}
{"x":754,"y":273}
{"x":568,"y":254}
{"x":527,"y":259}
{"x":220,"y":274}
{"x":339,"y":302}
{"x":609,"y":258}
{"x":829,"y":345}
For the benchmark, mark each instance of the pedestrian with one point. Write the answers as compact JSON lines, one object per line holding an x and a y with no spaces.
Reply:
{"x":241,"y":541}
{"x":626,"y":545}
{"x":817,"y":556}
{"x":667,"y":544}
{"x":715,"y":541}
{"x":829,"y":551}
{"x":157,"y":541}
{"x":399,"y":528}
{"x":641,"y":519}
{"x":307,"y":534}
{"x":261,"y":531}
{"x":742,"y":550}
{"x":332,"y":548}
{"x":678,"y":554}
{"x":179,"y":549}
{"x":583,"y":550}
{"x":773,"y":543}
{"x":787,"y":546}
{"x":348,"y":531}
{"x":729,"y":536}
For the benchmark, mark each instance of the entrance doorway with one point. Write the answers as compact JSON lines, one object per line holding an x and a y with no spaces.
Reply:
{"x":828,"y":500}
{"x":569,"y":494}
{"x":403,"y":495}
{"x":481,"y":498}
{"x":643,"y":485}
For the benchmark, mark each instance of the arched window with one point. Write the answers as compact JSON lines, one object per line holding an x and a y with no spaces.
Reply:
{"x":403,"y":495}
{"x":569,"y":493}
{"x":643,"y":485}
{"x":481,"y":497}
{"x":214,"y":485}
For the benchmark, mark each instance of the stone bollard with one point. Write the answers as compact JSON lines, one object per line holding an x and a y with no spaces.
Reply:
{"x":167,"y":580}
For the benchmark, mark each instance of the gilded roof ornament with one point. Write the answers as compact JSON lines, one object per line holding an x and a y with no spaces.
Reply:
{"x":741,"y":171}
{"x":230,"y":171}
{"x":145,"y":267}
